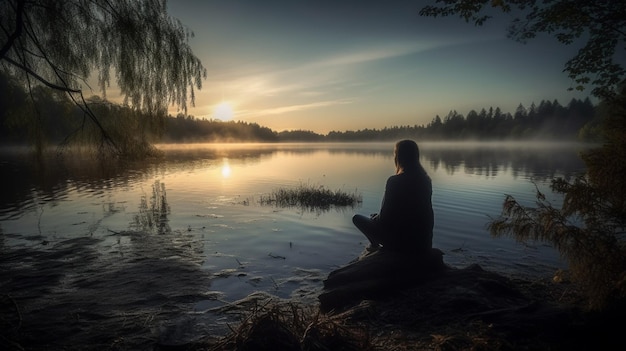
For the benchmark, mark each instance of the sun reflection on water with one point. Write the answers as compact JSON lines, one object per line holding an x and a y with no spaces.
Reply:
{"x":226,"y":171}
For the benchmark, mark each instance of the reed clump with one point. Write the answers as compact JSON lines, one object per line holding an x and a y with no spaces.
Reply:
{"x":312,"y":198}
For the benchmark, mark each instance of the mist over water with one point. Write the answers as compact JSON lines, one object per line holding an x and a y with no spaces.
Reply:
{"x":189,"y":228}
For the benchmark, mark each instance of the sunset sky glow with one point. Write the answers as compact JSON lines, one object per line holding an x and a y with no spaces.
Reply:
{"x":325,"y":65}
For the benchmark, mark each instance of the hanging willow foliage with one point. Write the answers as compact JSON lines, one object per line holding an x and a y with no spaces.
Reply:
{"x":134,"y":44}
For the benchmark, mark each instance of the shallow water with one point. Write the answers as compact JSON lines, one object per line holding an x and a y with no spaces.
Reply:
{"x":186,"y":236}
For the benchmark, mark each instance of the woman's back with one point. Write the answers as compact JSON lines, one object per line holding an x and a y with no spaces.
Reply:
{"x":406,"y":213}
{"x":405,"y":222}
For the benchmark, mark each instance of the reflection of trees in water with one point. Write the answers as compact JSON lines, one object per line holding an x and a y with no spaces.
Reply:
{"x":52,"y":177}
{"x":152,"y":217}
{"x":144,"y":286}
{"x":191,"y":153}
{"x":541,"y":162}
{"x":535,"y":161}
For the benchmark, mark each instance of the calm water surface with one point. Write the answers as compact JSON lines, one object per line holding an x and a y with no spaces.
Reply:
{"x":200,"y":207}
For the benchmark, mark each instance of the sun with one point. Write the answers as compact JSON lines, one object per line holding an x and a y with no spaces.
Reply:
{"x":223,"y":111}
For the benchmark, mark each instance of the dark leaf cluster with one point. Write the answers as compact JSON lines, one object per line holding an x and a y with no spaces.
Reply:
{"x":589,"y":229}
{"x":598,"y":26}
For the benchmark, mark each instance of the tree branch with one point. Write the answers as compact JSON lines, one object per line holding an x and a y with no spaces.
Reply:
{"x":19,"y":24}
{"x":40,"y":78}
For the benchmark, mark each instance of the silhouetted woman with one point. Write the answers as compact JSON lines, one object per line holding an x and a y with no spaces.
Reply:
{"x":405,"y":222}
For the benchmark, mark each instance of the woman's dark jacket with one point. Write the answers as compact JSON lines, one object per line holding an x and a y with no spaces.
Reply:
{"x":406,"y":214}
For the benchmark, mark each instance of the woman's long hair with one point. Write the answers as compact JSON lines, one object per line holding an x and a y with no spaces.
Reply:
{"x":407,"y":157}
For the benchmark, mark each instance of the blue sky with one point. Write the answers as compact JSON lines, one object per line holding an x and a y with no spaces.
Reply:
{"x":327,"y":65}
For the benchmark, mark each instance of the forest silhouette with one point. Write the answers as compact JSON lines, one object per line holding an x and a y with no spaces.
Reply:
{"x":53,"y":119}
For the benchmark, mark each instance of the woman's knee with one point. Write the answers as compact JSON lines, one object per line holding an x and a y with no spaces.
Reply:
{"x":357,"y":219}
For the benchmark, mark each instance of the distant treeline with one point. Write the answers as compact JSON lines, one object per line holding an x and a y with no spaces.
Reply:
{"x":549,"y":120}
{"x":186,"y":129}
{"x":53,"y":118}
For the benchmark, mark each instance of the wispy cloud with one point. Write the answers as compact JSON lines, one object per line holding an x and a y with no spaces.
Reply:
{"x":318,"y":75}
{"x":324,"y":81}
{"x":284,"y":84}
{"x":375,"y":53}
{"x":294,"y":108}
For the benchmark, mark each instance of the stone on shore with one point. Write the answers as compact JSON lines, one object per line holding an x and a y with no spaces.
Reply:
{"x":374,"y":275}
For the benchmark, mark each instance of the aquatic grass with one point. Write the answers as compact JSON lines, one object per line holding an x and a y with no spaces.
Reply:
{"x":152,"y":217}
{"x":312,"y":198}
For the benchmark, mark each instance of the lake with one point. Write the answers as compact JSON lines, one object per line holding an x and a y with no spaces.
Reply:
{"x":188,"y":235}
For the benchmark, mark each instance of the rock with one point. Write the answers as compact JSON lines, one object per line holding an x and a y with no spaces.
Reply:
{"x":377,"y":274}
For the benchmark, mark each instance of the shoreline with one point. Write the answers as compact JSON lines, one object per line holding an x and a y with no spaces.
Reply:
{"x":470,"y":308}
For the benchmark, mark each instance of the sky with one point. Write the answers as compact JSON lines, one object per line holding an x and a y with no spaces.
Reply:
{"x":324,"y":65}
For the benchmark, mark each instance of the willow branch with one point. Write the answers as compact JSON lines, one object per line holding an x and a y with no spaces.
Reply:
{"x":19,"y":24}
{"x":40,"y":78}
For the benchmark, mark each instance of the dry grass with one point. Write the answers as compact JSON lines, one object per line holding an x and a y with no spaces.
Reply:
{"x":425,"y":318}
{"x":275,"y":325}
{"x":292,"y":326}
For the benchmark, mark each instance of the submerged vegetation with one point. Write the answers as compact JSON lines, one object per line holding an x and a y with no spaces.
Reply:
{"x":152,"y":217}
{"x":312,"y":198}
